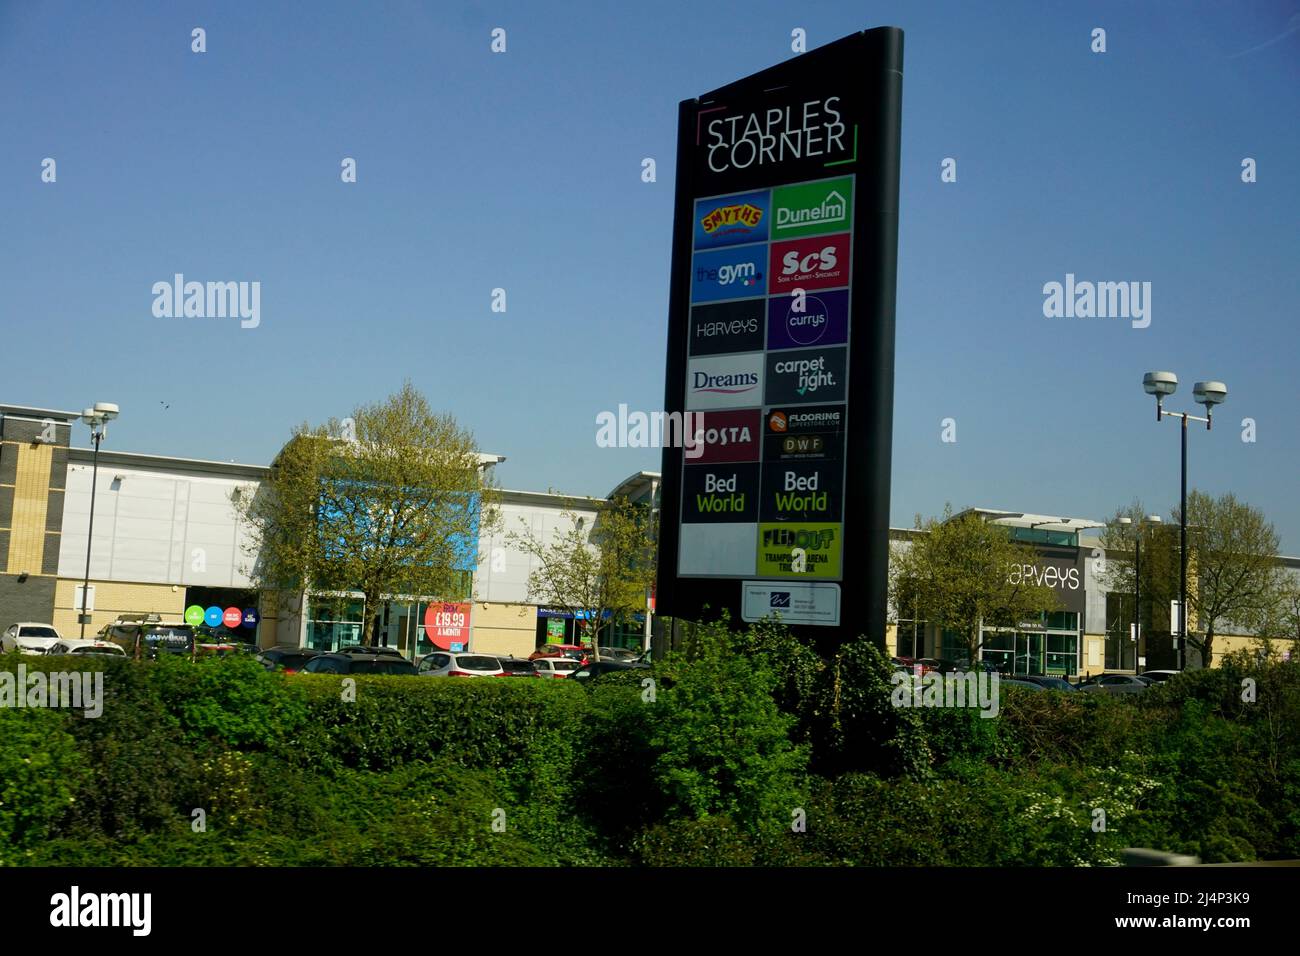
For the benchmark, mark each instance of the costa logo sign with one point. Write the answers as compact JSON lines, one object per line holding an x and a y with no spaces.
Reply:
{"x":726,"y":436}
{"x":818,"y":263}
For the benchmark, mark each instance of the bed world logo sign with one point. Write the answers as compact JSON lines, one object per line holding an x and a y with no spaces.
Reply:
{"x":781,"y":324}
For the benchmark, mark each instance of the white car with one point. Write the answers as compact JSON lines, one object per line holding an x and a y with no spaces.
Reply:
{"x":29,"y":637}
{"x":458,"y":664}
{"x":555,"y":667}
{"x":86,"y":647}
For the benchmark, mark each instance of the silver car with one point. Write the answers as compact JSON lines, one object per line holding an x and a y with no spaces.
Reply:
{"x":460,"y":664}
{"x":1113,"y":684}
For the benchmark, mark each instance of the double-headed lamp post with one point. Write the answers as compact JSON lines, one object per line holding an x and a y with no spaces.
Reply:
{"x":1139,"y":648}
{"x":97,"y":418}
{"x":1208,"y":394}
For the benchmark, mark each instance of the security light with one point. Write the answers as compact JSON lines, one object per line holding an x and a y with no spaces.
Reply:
{"x":1209,"y":393}
{"x":1160,"y":384}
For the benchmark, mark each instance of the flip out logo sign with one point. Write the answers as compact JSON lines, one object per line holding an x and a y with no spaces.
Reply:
{"x":729,"y":274}
{"x":817,"y":545}
{"x":732,"y":220}
{"x":817,"y":263}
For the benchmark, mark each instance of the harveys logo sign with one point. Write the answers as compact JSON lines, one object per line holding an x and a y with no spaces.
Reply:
{"x":743,"y":214}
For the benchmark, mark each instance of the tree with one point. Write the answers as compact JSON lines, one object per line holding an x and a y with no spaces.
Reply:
{"x":599,"y":573}
{"x":391,"y":501}
{"x":1159,"y":564}
{"x":959,"y":575}
{"x":1234,"y":575}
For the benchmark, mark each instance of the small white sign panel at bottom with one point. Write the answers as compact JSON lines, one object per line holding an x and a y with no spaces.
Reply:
{"x":795,"y":603}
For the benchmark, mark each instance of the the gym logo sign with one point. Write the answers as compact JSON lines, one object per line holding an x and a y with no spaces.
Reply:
{"x":800,"y":321}
{"x":724,"y":381}
{"x":817,"y":263}
{"x":799,"y":550}
{"x":807,"y":209}
{"x":732,"y":220}
{"x":812,"y":375}
{"x":729,"y":274}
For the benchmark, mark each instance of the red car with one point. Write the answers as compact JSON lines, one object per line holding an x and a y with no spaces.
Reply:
{"x":573,"y":651}
{"x":926,"y":664}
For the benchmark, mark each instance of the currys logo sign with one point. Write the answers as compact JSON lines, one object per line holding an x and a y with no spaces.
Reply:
{"x":728,"y":274}
{"x":818,"y":263}
{"x":724,"y":381}
{"x":823,"y":320}
{"x":732,"y":220}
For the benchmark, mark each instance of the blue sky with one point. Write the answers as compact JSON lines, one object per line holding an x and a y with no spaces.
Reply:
{"x":522,"y":171}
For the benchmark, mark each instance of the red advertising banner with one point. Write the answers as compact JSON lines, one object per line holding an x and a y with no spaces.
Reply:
{"x":446,"y":623}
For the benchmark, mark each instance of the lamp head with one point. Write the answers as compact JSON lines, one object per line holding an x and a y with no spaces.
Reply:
{"x":1160,"y":384}
{"x":1209,"y":393}
{"x":106,"y":409}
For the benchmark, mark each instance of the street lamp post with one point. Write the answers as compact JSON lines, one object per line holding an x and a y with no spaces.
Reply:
{"x":97,"y":418}
{"x":1140,"y":647}
{"x":1208,"y":394}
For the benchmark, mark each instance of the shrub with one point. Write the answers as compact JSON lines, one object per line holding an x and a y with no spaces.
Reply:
{"x":40,"y":773}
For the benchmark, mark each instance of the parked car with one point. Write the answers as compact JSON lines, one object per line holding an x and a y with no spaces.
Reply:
{"x":962,"y":667}
{"x":150,"y":635}
{"x":460,"y":664}
{"x":597,"y":668}
{"x":521,"y":666}
{"x":1020,"y":682}
{"x":80,"y":647}
{"x":1046,"y":681}
{"x":619,"y":654}
{"x":29,"y":637}
{"x":1113,"y":684}
{"x":370,"y":649}
{"x":358,"y":664}
{"x":288,"y":659}
{"x":555,"y":667}
{"x":926,"y":664}
{"x":574,"y":651}
{"x":1159,"y":677}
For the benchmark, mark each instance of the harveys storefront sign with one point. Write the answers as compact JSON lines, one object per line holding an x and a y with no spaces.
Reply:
{"x":1061,"y":569}
{"x":446,"y":624}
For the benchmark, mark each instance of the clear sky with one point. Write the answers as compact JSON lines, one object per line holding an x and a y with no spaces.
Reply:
{"x":522,"y":171}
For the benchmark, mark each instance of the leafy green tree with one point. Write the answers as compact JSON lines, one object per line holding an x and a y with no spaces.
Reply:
{"x":959,"y":576}
{"x":1236,"y":577}
{"x":600,"y":571}
{"x":390,"y":501}
{"x":723,"y":747}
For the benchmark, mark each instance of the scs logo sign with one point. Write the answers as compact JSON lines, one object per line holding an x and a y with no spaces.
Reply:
{"x":819,"y":263}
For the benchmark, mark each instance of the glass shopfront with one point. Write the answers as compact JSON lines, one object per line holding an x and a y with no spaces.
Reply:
{"x":1047,"y":648}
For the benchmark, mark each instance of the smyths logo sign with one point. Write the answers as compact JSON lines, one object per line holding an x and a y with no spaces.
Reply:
{"x":821,"y":262}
